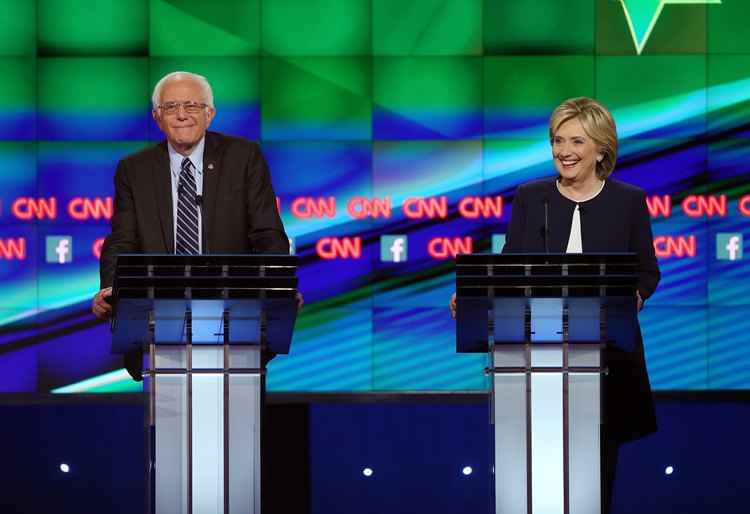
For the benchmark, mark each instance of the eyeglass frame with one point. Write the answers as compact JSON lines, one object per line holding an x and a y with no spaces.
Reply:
{"x":185,"y":105}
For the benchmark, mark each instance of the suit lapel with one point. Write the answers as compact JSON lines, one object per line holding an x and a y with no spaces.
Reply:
{"x":211,"y":171}
{"x":163,"y":196}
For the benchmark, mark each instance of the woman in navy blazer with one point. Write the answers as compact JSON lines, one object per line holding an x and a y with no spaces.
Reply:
{"x":587,"y":211}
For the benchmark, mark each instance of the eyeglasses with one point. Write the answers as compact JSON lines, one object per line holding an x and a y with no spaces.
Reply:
{"x":189,"y":107}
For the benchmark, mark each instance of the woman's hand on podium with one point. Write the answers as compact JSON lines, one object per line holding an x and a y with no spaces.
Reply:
{"x":300,"y":300}
{"x":452,"y":305}
{"x":640,"y":300}
{"x":100,"y":307}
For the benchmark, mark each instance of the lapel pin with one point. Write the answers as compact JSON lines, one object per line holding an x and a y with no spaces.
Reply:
{"x":210,"y":166}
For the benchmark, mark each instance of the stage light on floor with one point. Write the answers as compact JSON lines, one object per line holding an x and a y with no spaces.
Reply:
{"x":669,"y":470}
{"x":467,"y":471}
{"x":64,"y":468}
{"x":367,"y":472}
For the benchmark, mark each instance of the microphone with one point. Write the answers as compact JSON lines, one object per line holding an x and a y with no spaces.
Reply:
{"x":545,"y":199}
{"x":199,"y":203}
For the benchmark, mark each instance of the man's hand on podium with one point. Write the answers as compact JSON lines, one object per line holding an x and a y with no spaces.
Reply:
{"x":100,"y":307}
{"x":640,"y":300}
{"x":452,"y":305}
{"x":300,"y":300}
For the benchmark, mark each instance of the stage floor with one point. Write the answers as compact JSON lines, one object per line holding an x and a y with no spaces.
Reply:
{"x":418,"y":446}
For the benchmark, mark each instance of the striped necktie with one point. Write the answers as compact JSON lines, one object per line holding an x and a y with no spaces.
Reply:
{"x":187,"y":242}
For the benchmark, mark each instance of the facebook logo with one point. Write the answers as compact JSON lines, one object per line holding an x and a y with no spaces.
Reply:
{"x":59,"y":249}
{"x":728,"y":247}
{"x":498,"y":241}
{"x":393,"y":248}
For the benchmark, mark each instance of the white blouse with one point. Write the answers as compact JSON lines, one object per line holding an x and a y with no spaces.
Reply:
{"x":575,"y":243}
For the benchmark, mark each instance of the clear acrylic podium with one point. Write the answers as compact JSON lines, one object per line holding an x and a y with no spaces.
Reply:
{"x":204,"y":323}
{"x":544,"y":320}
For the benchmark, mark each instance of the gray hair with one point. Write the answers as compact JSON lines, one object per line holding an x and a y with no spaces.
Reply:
{"x":181,"y":75}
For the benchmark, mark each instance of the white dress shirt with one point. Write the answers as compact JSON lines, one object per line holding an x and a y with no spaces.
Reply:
{"x":575,"y":241}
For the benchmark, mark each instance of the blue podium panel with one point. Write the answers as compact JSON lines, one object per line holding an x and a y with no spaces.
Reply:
{"x":546,"y":319}
{"x":509,"y":314}
{"x":583,"y":319}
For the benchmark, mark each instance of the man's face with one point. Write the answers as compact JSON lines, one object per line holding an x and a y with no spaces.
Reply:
{"x":182,"y":129}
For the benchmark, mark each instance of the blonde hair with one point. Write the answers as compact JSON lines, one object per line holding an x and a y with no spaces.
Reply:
{"x":597,"y":123}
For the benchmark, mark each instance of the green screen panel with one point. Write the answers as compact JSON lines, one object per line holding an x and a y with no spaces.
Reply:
{"x":728,"y":352}
{"x":435,"y":168}
{"x":427,"y":27}
{"x":228,"y":27}
{"x":93,"y":99}
{"x":18,"y":27}
{"x":234,"y":80}
{"x":316,"y":27}
{"x":727,"y":27}
{"x":726,"y":282}
{"x":676,"y":351}
{"x":18,"y":267}
{"x":235,"y":84}
{"x":520,"y":93}
{"x":415,"y":349}
{"x":654,"y":96}
{"x":508,"y":162}
{"x":539,"y":27}
{"x":427,"y":97}
{"x":56,"y":285}
{"x":82,"y":27}
{"x":728,"y":92}
{"x":332,"y":352}
{"x":18,"y":162}
{"x":676,"y":28}
{"x":18,"y":98}
{"x":316,"y":98}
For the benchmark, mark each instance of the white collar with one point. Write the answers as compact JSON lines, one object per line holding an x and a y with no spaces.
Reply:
{"x":591,"y":197}
{"x":196,"y":156}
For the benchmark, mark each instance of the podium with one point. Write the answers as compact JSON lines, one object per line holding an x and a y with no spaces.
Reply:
{"x":544,"y":320}
{"x":204,"y":323}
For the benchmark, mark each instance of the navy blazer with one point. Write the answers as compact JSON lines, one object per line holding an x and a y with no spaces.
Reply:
{"x":616,"y":220}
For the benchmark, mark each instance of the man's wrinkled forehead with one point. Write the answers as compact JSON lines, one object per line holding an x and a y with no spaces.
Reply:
{"x":182,"y":88}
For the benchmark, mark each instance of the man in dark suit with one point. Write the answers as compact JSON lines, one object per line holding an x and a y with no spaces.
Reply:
{"x":196,"y":192}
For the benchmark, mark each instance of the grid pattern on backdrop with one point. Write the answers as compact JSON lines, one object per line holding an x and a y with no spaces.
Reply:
{"x":441,"y":99}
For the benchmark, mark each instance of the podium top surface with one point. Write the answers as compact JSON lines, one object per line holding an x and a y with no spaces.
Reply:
{"x":546,"y":275}
{"x":209,"y":260}
{"x":206,"y":276}
{"x":546,"y":259}
{"x":253,"y":295}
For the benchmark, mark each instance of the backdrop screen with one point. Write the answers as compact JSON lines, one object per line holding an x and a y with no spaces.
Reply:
{"x":397,"y":133}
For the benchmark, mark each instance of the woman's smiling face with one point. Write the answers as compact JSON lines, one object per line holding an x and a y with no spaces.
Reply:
{"x":575,"y":153}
